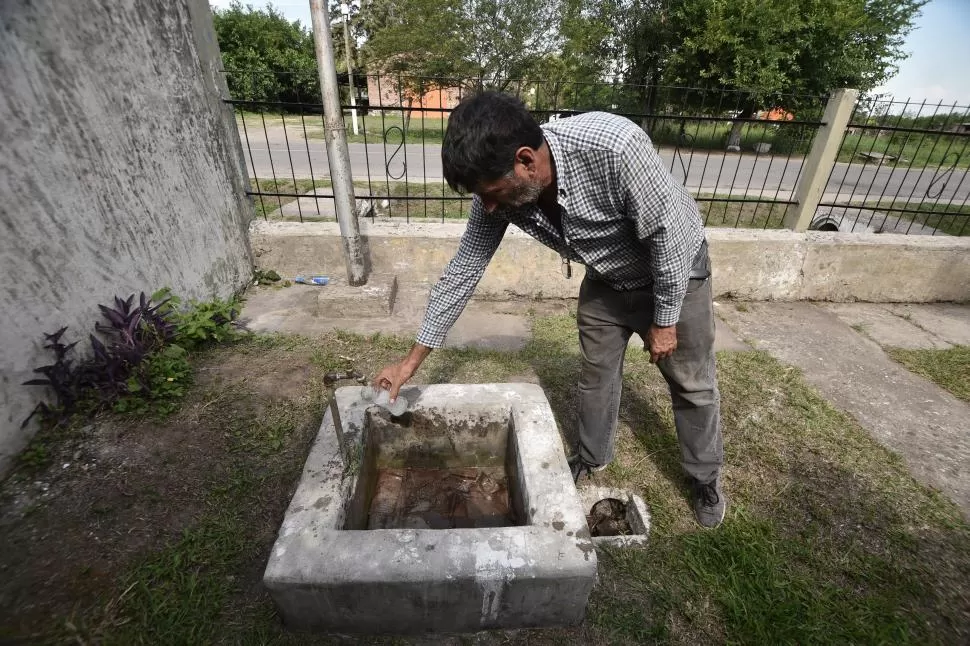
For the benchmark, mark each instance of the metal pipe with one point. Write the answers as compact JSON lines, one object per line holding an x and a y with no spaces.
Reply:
{"x":345,"y":10}
{"x":335,"y":135}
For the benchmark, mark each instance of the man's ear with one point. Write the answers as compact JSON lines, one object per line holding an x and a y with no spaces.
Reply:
{"x":527,"y":157}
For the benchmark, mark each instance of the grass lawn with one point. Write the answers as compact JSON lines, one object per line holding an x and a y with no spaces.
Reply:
{"x":157,"y":532}
{"x":911,"y":149}
{"x":949,"y":368}
{"x":954,"y":222}
{"x":265,"y":205}
{"x":744,"y":215}
{"x":428,"y":129}
{"x":701,"y":136}
{"x":257,"y":119}
{"x":427,"y":207}
{"x":715,"y":214}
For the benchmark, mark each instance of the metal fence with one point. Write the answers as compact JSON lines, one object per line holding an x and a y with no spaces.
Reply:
{"x":396,"y":161}
{"x":904,"y":170}
{"x":400,"y":122}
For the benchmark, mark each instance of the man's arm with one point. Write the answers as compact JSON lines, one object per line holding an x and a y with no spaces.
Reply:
{"x":671,"y":231}
{"x":450,"y":294}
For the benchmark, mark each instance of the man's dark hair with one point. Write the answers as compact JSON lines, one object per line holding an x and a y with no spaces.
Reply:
{"x":483,"y":134}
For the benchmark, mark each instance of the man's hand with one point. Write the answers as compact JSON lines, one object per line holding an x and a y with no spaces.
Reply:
{"x":662,"y":342}
{"x":397,"y":374}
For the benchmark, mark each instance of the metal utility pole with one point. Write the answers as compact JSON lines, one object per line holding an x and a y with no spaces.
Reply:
{"x":335,"y":134}
{"x":345,"y":10}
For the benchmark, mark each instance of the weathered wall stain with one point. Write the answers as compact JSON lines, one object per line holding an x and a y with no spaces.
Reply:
{"x":120,"y":172}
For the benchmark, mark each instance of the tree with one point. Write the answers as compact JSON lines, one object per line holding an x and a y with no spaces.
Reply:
{"x":417,"y":37}
{"x":772,"y":54}
{"x":266,"y":58}
{"x":510,"y":39}
{"x":591,"y":43}
{"x":355,"y":24}
{"x":489,"y":40}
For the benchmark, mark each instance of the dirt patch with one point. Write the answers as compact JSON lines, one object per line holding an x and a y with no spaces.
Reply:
{"x":117,"y":489}
{"x":270,"y":374}
{"x":109,"y":494}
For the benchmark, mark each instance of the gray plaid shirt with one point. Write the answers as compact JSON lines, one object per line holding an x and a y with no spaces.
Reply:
{"x":623,"y":217}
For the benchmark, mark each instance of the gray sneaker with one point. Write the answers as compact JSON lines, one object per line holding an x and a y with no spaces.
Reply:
{"x":709,"y":502}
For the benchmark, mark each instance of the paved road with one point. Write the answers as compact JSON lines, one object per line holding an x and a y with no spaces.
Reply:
{"x":706,"y":172}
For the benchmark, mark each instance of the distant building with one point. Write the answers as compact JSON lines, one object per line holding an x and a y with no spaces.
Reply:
{"x":385,"y":91}
{"x":776,"y":114}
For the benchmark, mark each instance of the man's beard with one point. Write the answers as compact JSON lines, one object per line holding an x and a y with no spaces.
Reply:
{"x":524,"y":193}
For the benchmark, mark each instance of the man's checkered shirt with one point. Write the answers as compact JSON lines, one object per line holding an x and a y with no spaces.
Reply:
{"x":623,"y":217}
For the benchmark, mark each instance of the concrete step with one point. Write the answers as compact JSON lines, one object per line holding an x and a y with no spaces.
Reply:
{"x":274,"y":308}
{"x":340,"y":300}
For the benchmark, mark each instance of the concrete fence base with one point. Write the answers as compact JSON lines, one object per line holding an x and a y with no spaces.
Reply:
{"x":748,"y":264}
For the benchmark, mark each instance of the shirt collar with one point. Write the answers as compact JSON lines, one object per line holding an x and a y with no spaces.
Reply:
{"x":561,"y":161}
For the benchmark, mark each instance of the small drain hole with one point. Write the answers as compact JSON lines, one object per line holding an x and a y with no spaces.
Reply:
{"x":608,"y":518}
{"x":405,"y":419}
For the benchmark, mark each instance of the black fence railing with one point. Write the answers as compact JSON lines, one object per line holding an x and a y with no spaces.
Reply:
{"x":904,"y":169}
{"x":400,"y":122}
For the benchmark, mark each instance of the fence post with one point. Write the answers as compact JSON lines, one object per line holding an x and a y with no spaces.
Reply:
{"x":818,"y":165}
{"x":335,"y":134}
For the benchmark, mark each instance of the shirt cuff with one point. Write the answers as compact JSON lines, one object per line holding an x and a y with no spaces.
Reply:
{"x":433,"y":339}
{"x":666,"y":315}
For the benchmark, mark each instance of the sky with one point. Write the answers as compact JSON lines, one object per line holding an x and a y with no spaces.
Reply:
{"x":939,"y":48}
{"x":938,"y":67}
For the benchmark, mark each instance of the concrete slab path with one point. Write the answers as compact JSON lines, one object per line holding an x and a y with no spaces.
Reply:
{"x":490,"y":325}
{"x":927,"y":426}
{"x":949,"y":322}
{"x":911,"y":326}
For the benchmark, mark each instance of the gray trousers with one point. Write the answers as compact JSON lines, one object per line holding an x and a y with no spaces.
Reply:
{"x":607,"y":319}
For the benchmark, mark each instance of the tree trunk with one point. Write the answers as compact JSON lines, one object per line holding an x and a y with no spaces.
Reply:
{"x":407,"y":115}
{"x":650,"y":104}
{"x":734,"y":138}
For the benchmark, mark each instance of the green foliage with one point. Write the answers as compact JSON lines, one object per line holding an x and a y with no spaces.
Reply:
{"x":35,"y":456}
{"x":200,"y":322}
{"x":419,"y":37}
{"x":764,"y":49}
{"x":266,"y":58}
{"x":159,"y":385}
{"x":265,"y":277}
{"x":488,"y":40}
{"x":590,"y":41}
{"x":142,"y":365}
{"x":770,"y":52}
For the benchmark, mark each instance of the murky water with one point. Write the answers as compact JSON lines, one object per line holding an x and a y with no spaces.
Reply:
{"x":420,"y":498}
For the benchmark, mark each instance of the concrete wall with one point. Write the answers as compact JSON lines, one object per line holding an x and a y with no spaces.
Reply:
{"x":748,"y":264}
{"x":121,"y":171}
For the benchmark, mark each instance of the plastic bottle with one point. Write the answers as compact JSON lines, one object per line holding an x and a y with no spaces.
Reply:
{"x":312,"y":280}
{"x":382,"y":398}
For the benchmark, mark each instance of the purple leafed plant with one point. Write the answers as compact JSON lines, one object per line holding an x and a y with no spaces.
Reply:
{"x":61,"y":376}
{"x":132,"y":333}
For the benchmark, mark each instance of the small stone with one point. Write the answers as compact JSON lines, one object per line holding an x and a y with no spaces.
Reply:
{"x":487,"y":484}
